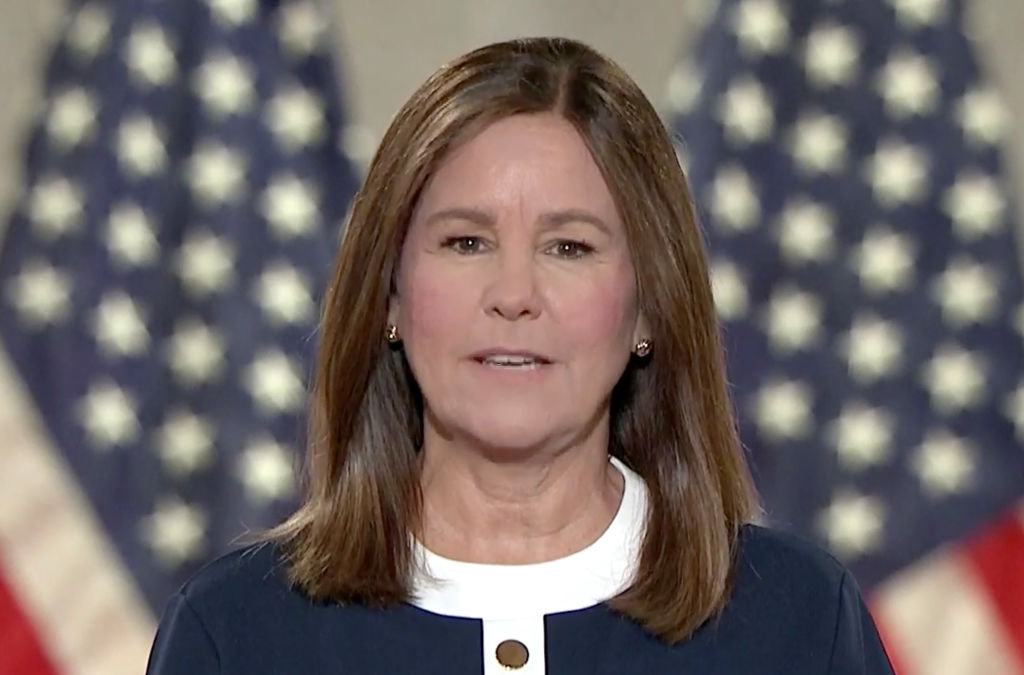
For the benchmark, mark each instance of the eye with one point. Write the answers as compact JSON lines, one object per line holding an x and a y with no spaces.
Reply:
{"x":571,"y":249}
{"x":462,"y":244}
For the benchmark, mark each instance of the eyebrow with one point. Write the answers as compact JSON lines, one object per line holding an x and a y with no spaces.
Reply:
{"x":548,"y":220}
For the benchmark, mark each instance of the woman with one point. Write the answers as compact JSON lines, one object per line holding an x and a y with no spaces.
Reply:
{"x":522,"y":452}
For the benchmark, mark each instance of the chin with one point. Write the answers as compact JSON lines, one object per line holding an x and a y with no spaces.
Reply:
{"x":504,"y":432}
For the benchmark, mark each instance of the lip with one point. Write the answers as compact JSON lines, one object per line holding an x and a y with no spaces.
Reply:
{"x":510,"y":351}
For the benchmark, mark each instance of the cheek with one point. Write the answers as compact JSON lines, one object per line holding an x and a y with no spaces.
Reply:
{"x":599,"y":316}
{"x":434,"y":306}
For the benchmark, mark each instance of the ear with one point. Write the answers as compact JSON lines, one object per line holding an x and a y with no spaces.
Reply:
{"x":642,"y":330}
{"x":393,"y":310}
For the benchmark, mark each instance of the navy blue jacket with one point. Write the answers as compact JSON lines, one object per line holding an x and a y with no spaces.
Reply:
{"x":794,"y":610}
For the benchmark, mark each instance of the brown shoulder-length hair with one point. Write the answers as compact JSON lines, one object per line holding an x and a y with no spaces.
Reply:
{"x":671,"y":419}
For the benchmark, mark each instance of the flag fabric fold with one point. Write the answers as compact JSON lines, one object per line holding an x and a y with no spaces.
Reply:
{"x":159,"y":281}
{"x":846,"y":166}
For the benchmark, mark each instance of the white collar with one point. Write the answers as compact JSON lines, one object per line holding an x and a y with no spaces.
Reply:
{"x":582,"y":579}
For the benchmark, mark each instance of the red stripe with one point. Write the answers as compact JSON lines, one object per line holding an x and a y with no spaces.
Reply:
{"x":888,"y":643}
{"x":996,"y":554}
{"x":20,"y":650}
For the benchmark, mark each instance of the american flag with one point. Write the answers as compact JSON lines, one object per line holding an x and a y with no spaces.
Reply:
{"x":159,"y":282}
{"x":845,"y":160}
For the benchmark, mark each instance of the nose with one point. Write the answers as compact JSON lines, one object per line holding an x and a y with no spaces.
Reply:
{"x":512,"y":292}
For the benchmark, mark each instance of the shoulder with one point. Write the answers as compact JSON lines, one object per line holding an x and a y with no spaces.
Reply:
{"x":227,"y":608}
{"x":254,"y":576}
{"x":784,"y":583}
{"x":806,"y":606}
{"x":793,"y":603}
{"x":772,"y":555}
{"x":253,"y":564}
{"x":783,"y":571}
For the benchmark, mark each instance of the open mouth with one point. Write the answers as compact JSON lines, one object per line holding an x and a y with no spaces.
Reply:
{"x":512,"y":363}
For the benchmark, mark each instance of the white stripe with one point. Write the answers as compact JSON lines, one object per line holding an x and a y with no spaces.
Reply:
{"x":939,"y":622}
{"x":68,"y":580}
{"x":582,"y":579}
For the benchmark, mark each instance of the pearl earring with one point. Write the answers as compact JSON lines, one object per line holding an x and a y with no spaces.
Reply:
{"x":642,"y":348}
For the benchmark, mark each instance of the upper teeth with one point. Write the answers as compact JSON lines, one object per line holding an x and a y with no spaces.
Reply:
{"x":510,"y":360}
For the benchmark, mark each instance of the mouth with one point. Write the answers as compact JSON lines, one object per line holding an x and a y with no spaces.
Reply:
{"x":505,"y":365}
{"x":511,"y":360}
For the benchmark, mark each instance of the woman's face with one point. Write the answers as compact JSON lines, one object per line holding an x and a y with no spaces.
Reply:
{"x":516,"y":297}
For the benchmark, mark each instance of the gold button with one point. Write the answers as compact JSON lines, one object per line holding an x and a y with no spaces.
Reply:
{"x":512,"y":654}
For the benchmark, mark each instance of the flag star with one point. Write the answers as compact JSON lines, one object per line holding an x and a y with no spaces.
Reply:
{"x":72,"y":117}
{"x":205,"y":263}
{"x":908,"y":84}
{"x":300,"y":27}
{"x":195,"y":353}
{"x":89,"y":30}
{"x":898,"y":173}
{"x":233,"y":12}
{"x":982,"y":116}
{"x":831,"y":56}
{"x":975,"y":204}
{"x":266,"y":471}
{"x":967,"y":292}
{"x":918,"y":13}
{"x":873,"y":348}
{"x":130,"y":237}
{"x":185,"y":443}
{"x":175,"y":532}
{"x":729,"y":290}
{"x":782,"y":411}
{"x":760,"y":26}
{"x":41,"y":294}
{"x":862,"y":436}
{"x":684,"y":85}
{"x":358,"y":143}
{"x":224,"y":84}
{"x":149,"y":56}
{"x":746,"y":112}
{"x":55,"y":207}
{"x":273,"y":382}
{"x":1013,"y":408}
{"x":119,"y":327}
{"x":283,"y":295}
{"x":108,"y":415}
{"x":853,"y":524}
{"x":290,"y":206}
{"x":216,"y":174}
{"x":140,"y":146}
{"x":296,"y":117}
{"x":944,"y":464}
{"x":884,"y":260}
{"x":793,"y":320}
{"x":955,"y":379}
{"x":734,"y":201}
{"x":806,"y":232}
{"x":818,"y":143}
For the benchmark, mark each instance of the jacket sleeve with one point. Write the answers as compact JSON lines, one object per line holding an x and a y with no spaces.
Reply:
{"x":856,"y":647}
{"x":183,"y":646}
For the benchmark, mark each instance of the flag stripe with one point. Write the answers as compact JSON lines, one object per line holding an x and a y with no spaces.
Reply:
{"x":19,"y":645}
{"x":71,"y":585}
{"x":940,"y":621}
{"x":997,"y":556}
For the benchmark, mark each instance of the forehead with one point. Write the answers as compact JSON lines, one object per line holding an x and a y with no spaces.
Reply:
{"x":536,"y":161}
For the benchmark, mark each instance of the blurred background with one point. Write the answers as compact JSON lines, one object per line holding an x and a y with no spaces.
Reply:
{"x":173,"y":180}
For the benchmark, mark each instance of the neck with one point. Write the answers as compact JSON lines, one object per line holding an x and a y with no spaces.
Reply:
{"x":539,"y":507}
